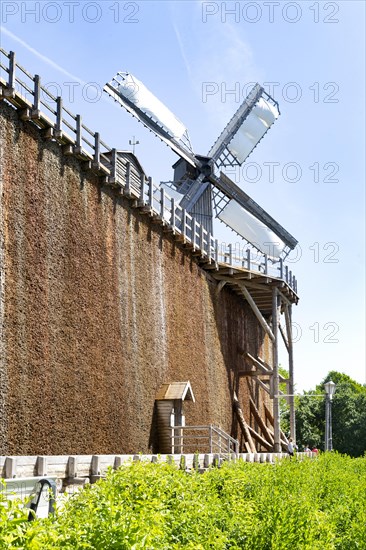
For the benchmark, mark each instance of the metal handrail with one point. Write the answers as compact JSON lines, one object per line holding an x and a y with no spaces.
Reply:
{"x":224,"y":443}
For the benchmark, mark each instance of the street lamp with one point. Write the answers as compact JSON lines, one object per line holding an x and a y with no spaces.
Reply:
{"x":329,"y":390}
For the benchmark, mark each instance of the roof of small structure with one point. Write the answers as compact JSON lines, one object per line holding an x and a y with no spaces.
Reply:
{"x":130,"y":155}
{"x":176,"y":390}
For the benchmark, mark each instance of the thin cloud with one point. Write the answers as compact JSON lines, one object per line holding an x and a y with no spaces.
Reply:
{"x":52,"y":63}
{"x":216,"y":52}
{"x":41,"y":56}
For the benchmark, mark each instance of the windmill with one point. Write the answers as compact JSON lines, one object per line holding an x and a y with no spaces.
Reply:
{"x":206,"y":191}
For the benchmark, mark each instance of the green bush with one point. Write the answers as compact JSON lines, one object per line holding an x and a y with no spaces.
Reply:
{"x":309,"y":504}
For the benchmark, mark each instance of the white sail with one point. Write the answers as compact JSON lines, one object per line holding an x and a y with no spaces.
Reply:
{"x":253,"y":230}
{"x":136,"y":92}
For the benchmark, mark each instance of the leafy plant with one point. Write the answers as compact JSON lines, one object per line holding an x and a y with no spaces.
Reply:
{"x":308,"y":504}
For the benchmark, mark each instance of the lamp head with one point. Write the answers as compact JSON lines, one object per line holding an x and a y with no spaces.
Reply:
{"x":330,"y":388}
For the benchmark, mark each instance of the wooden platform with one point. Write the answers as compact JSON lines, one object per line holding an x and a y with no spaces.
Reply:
{"x":258,"y":284}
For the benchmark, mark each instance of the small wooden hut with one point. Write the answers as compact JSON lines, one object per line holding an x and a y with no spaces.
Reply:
{"x":169,"y":403}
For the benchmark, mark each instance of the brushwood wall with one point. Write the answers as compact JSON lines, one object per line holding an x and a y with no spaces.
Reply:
{"x":99,"y":307}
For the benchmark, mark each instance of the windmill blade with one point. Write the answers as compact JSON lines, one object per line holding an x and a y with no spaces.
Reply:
{"x":237,"y":195}
{"x":133,"y":95}
{"x":247,"y":127}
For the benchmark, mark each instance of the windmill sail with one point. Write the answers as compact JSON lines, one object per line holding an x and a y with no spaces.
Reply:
{"x":253,"y":230}
{"x":133,"y":95}
{"x":138,"y":94}
{"x":258,"y":121}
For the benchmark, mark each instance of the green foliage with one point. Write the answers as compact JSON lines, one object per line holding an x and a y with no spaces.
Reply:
{"x":348,"y":414}
{"x":309,"y":504}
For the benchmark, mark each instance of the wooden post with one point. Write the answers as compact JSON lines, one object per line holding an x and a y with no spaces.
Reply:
{"x":216,"y":251}
{"x":96,"y":150}
{"x":172,"y":214}
{"x":113,"y":175}
{"x":37,"y":97}
{"x":281,"y":268}
{"x":266,"y":264}
{"x":58,"y":131}
{"x":275,"y":378}
{"x":248,"y":258}
{"x":184,"y":224}
{"x":162,"y":203}
{"x":77,"y":149}
{"x":291,"y":385}
{"x":209,"y":237}
{"x":194,"y":232}
{"x":230,"y":246}
{"x":151,"y":192}
{"x":12,"y":68}
{"x":202,"y":240}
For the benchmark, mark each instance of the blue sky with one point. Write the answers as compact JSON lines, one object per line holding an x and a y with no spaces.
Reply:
{"x":311,"y":55}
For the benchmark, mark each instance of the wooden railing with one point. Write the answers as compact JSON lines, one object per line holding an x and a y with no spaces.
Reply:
{"x":37,"y":104}
{"x":202,"y":439}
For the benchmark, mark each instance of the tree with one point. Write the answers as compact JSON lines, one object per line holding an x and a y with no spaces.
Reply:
{"x":348,"y":416}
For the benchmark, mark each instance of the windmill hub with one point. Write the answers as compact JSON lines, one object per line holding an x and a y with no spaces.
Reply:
{"x":206,"y":165}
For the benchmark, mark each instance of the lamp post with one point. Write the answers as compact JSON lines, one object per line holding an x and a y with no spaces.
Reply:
{"x":329,"y":391}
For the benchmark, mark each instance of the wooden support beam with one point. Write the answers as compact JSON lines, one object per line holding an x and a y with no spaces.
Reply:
{"x":263,"y":386}
{"x":282,"y":332}
{"x":291,"y":385}
{"x":243,"y":425}
{"x":269,"y":416}
{"x":252,"y":373}
{"x":260,"y":439}
{"x":260,"y":422}
{"x":262,"y":365}
{"x":256,"y":311}
{"x":284,"y":442}
{"x":275,"y":377}
{"x":219,"y":287}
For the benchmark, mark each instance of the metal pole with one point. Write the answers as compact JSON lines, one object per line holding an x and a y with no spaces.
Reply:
{"x":330,"y":439}
{"x":275,"y":377}
{"x":326,"y":440}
